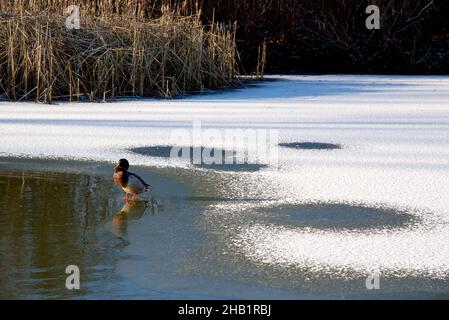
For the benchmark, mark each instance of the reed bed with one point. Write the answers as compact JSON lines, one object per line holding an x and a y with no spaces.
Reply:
{"x":112,"y":55}
{"x":102,"y":8}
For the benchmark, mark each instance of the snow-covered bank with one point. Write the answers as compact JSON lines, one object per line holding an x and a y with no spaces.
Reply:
{"x":395,"y":137}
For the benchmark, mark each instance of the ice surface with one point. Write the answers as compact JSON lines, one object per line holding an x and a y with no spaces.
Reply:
{"x":394,"y":138}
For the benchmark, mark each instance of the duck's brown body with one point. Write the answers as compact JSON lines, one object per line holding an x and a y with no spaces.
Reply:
{"x":120,"y":178}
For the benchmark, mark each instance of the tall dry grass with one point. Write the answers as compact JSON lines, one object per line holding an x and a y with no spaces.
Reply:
{"x":101,"y":8}
{"x":112,"y":54}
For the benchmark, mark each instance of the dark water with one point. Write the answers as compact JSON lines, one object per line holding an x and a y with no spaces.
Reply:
{"x":311,"y":145}
{"x":343,"y":217}
{"x":227,"y":159}
{"x":55,"y":213}
{"x":175,"y":243}
{"x":49,"y":220}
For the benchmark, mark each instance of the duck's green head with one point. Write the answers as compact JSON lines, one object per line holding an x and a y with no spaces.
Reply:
{"x":122,"y":164}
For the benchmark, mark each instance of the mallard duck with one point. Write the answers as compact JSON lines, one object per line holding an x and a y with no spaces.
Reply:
{"x":130,"y":182}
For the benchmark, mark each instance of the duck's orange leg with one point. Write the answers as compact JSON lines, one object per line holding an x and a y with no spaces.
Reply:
{"x":131,"y":201}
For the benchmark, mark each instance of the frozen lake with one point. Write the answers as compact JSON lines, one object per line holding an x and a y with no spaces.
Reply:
{"x":359,"y":187}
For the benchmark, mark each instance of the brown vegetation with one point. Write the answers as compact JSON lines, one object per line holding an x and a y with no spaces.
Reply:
{"x":113,"y":54}
{"x":139,"y":47}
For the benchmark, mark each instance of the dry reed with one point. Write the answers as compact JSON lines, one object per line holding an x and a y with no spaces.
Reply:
{"x":112,"y":54}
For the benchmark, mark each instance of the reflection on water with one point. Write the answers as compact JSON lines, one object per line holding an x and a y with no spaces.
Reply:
{"x":133,"y":210}
{"x":49,"y":221}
